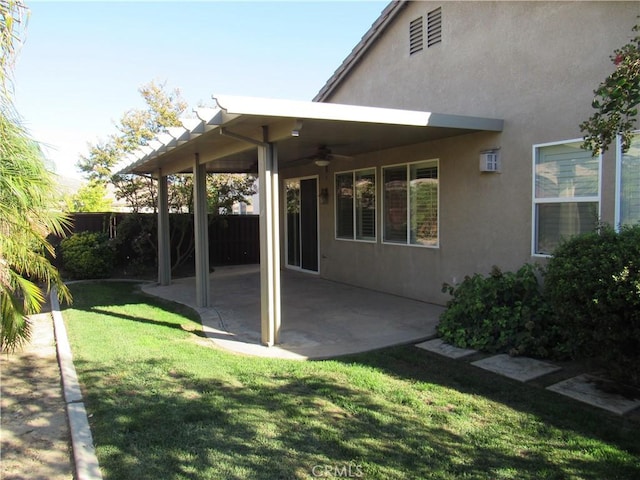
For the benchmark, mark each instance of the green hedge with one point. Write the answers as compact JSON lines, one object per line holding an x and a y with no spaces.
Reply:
{"x":592,"y":283}
{"x":588,"y":308}
{"x":503,"y":312}
{"x":87,"y":255}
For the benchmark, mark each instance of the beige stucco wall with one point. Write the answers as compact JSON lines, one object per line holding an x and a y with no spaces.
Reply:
{"x":533,"y":64}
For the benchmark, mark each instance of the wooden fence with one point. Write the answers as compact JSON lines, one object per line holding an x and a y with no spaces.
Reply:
{"x":233,"y":239}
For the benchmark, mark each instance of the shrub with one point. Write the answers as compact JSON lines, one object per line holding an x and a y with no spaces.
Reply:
{"x":136,"y":243}
{"x":503,"y":312}
{"x":87,"y":255}
{"x":593,"y":285}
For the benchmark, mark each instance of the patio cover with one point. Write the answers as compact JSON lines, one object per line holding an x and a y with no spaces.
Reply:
{"x":259,"y":135}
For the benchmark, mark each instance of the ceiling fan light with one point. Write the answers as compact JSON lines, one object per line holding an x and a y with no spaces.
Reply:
{"x":322,"y":162}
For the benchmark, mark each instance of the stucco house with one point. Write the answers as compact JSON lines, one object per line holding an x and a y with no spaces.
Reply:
{"x":447,"y":142}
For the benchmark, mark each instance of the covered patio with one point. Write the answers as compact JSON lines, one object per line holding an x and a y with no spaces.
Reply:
{"x":322,"y":319}
{"x":264,"y":136}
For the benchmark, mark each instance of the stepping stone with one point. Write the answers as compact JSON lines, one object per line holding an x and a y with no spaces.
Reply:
{"x":522,"y":369}
{"x":438,"y":346}
{"x":584,"y":389}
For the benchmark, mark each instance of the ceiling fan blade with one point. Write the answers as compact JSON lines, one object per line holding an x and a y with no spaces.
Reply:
{"x":340,"y":157}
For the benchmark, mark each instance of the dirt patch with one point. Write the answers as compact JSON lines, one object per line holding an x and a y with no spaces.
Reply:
{"x":35,"y":434}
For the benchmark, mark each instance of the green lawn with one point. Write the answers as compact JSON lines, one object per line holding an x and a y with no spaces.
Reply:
{"x":165,"y":404}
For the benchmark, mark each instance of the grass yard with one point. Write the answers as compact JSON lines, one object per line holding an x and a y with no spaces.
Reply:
{"x":166,"y":404}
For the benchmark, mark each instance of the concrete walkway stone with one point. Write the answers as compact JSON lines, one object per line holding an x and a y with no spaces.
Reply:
{"x":437,"y":345}
{"x":584,"y":388}
{"x":522,"y":369}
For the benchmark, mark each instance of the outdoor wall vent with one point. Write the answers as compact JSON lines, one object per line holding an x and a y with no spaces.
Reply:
{"x":434,"y":27}
{"x":416,"y":36}
{"x":489,"y":161}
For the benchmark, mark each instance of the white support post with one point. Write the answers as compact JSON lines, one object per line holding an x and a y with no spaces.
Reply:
{"x":201,"y":232}
{"x":164,"y":245}
{"x":269,"y":245}
{"x":275,"y":242}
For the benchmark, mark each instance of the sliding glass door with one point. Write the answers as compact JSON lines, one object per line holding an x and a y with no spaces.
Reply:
{"x":301,"y":196}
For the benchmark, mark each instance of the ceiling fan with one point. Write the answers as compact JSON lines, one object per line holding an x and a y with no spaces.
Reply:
{"x":324,"y":156}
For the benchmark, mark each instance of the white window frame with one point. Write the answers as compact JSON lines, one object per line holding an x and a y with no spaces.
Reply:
{"x":354,"y":237}
{"x":618,"y":189}
{"x":382,"y":206}
{"x":555,"y":200}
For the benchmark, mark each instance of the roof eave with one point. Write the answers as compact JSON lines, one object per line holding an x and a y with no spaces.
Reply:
{"x":283,"y":115}
{"x":377,"y":28}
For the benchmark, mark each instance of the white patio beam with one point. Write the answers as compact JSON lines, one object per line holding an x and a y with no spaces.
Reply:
{"x":180,"y":134}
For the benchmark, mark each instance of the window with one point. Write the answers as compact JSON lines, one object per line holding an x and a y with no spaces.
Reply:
{"x":411,"y":203}
{"x":566,"y":194}
{"x":416,"y":34}
{"x":434,"y":27}
{"x":356,"y":205}
{"x":628,"y":184}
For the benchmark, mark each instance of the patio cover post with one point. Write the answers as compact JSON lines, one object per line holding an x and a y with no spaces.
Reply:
{"x":164,"y":245}
{"x":201,"y":232}
{"x":269,"y":244}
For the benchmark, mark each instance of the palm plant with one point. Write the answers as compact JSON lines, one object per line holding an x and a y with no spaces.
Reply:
{"x":26,"y":214}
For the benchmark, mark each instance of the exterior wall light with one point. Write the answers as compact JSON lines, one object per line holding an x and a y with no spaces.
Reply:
{"x":490,"y":160}
{"x":324,"y":196}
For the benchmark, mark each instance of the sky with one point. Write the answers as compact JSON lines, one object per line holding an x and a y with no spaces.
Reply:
{"x":82,"y":63}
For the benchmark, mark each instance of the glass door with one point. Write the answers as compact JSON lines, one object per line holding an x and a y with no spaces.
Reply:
{"x":302,"y":223}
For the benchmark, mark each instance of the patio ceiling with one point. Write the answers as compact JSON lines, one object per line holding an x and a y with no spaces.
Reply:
{"x":225,"y":137}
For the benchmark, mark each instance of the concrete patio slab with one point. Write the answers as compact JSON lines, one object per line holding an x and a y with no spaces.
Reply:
{"x":437,"y":345}
{"x":320,"y":318}
{"x":522,"y":369}
{"x":584,"y":389}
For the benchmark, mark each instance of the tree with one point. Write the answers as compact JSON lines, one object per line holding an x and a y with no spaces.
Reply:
{"x":102,"y":157}
{"x":91,"y":197}
{"x":138,"y":127}
{"x":616,"y":101}
{"x":27,"y":194}
{"x":226,"y":189}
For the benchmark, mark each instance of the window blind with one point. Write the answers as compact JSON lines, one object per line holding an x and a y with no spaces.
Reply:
{"x":344,"y":205}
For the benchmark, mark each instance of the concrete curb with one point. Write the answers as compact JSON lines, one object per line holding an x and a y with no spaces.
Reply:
{"x":84,"y":454}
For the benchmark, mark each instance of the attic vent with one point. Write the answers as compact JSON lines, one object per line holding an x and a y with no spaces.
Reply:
{"x":416,"y":36}
{"x":434,"y":27}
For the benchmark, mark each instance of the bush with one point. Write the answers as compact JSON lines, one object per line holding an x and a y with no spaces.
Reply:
{"x":504,"y":312}
{"x":593,"y":285}
{"x":136,"y":243}
{"x":87,"y":255}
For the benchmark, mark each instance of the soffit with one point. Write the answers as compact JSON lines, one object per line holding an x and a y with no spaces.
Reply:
{"x":345,"y":129}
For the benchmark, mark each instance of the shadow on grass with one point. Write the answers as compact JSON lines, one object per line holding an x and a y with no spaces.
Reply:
{"x":148,"y":321}
{"x":414,"y":364}
{"x":95,"y":298}
{"x":283,"y":429}
{"x":246,"y":418}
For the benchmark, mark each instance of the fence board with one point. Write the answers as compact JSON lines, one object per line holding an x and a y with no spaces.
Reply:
{"x":233,"y":239}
